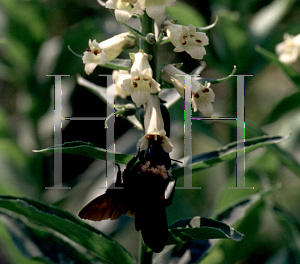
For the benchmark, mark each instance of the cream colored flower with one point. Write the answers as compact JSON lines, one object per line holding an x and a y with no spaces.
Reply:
{"x":100,"y":53}
{"x":186,"y":39}
{"x":156,"y":8}
{"x":141,"y":83}
{"x":202,"y":99}
{"x":202,"y":95}
{"x":288,"y":51}
{"x":119,"y":76}
{"x":154,"y":125}
{"x":124,"y":9}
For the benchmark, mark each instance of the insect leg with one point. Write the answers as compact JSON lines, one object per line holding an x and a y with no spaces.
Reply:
{"x":170,"y":191}
{"x":141,"y":156}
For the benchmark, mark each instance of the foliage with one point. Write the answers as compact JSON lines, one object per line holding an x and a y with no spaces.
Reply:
{"x":39,"y":225}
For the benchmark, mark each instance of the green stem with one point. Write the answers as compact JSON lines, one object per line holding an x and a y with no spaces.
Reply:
{"x":151,"y":49}
{"x":145,"y":254}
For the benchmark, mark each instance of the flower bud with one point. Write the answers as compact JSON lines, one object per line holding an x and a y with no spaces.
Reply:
{"x":126,"y":110}
{"x":150,"y":38}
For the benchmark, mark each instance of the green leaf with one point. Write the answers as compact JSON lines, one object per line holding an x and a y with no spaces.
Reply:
{"x":106,"y":249}
{"x":35,"y":243}
{"x":118,"y":64}
{"x":290,"y":72}
{"x":291,"y":234}
{"x":201,"y":228}
{"x":185,"y":14}
{"x":238,"y":210}
{"x":228,"y":152}
{"x":235,"y":213}
{"x":133,"y":31}
{"x":284,"y":106}
{"x":286,"y":158}
{"x":263,"y":22}
{"x":11,"y":252}
{"x":87,"y":149}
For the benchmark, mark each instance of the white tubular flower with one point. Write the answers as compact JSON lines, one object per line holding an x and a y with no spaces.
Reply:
{"x":141,"y":83}
{"x":202,"y":95}
{"x":156,"y":8}
{"x":186,"y":39}
{"x":288,"y":51}
{"x":202,"y":99}
{"x":154,"y":126}
{"x":119,"y":76}
{"x":100,"y":53}
{"x":124,"y":9}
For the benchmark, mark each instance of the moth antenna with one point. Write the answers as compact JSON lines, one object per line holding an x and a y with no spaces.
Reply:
{"x":119,"y":176}
{"x":139,"y":151}
{"x":177,"y":161}
{"x":119,"y":169}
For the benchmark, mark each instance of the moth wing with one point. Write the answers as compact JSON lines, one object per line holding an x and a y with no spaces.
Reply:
{"x":109,"y":205}
{"x":152,"y":221}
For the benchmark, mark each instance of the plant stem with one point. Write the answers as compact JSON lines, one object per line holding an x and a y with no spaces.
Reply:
{"x":145,"y":254}
{"x":151,"y":49}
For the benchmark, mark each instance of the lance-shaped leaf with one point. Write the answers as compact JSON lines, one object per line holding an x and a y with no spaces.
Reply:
{"x":201,"y":228}
{"x":118,"y":64}
{"x":228,"y":152}
{"x":104,"y":247}
{"x":35,"y":243}
{"x":133,"y":31}
{"x":233,"y":213}
{"x":88,"y":150}
{"x":284,"y":106}
{"x":199,"y":161}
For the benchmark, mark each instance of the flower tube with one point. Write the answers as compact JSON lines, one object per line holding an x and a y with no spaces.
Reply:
{"x":202,"y":95}
{"x":100,"y":53}
{"x":186,"y":39}
{"x":141,"y":83}
{"x":154,"y":126}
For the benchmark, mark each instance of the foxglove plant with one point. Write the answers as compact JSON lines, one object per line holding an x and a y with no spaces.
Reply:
{"x":143,"y":82}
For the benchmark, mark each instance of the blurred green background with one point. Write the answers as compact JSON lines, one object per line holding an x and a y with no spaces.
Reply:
{"x":34,"y":40}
